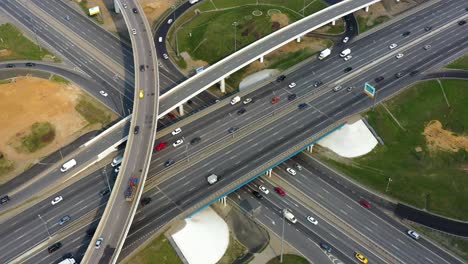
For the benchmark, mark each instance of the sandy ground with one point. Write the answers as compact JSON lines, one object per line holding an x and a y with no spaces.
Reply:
{"x":352,"y":140}
{"x":204,"y":239}
{"x":386,"y":8}
{"x":154,"y":8}
{"x":440,"y":139}
{"x":29,"y":100}
{"x":191,"y":63}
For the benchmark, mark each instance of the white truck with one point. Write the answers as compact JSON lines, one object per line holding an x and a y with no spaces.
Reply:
{"x":212,"y":179}
{"x":235,"y":100}
{"x":68,"y":261}
{"x":289,"y":216}
{"x":325,"y":53}
{"x":345,"y":53}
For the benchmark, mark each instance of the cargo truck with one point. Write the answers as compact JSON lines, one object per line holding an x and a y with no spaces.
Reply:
{"x":131,"y":189}
{"x":325,"y":53}
{"x":212,"y":179}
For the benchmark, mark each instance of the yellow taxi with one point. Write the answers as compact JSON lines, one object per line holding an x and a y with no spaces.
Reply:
{"x":142,"y":94}
{"x":361,"y":258}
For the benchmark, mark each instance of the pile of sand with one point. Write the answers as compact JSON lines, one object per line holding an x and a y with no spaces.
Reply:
{"x":440,"y":139}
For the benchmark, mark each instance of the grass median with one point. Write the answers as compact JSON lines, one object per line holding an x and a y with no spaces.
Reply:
{"x":159,"y":251}
{"x":426,"y":156}
{"x":289,"y":259}
{"x":460,"y":64}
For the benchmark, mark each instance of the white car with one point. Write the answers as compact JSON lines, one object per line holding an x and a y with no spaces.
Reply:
{"x":133,"y":31}
{"x":394,"y":45}
{"x":103,"y":93}
{"x":292,"y":85}
{"x":178,"y":142}
{"x":413,"y":234}
{"x":169,"y":21}
{"x":246,"y":101}
{"x":345,"y":40}
{"x":165,"y":56}
{"x":98,"y":242}
{"x":116,"y":170}
{"x":263,"y":189}
{"x":399,"y":55}
{"x":348,"y":57}
{"x":176,"y":131}
{"x":312,"y":220}
{"x":57,"y":200}
{"x":291,"y":171}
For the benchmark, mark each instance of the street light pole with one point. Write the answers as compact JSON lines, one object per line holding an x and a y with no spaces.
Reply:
{"x":388,"y":184}
{"x":45,"y":224}
{"x":235,"y":35}
{"x":107,"y":178}
{"x":176,"y":31}
{"x":282,"y":236}
{"x":303,"y":8}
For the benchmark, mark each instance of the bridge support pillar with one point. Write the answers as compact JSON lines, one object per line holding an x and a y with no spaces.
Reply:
{"x":261,"y":59}
{"x":309,"y":148}
{"x":333,"y":22}
{"x":223,"y":200}
{"x":222,"y":86}
{"x":367,"y":9}
{"x":298,"y":39}
{"x":181,"y":110}
{"x":268,"y":172}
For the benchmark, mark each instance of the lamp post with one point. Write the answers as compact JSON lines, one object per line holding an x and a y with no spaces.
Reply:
{"x":282,"y":235}
{"x":388,"y":184}
{"x":235,"y":35}
{"x":45,"y":224}
{"x":176,"y":31}
{"x":107,"y":178}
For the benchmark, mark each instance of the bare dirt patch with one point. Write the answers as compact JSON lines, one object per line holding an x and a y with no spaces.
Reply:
{"x":154,"y":8}
{"x":108,"y":17}
{"x":5,"y":52}
{"x":191,"y":63}
{"x":386,"y":8}
{"x":280,"y":18}
{"x":440,"y":139}
{"x":28,"y":100}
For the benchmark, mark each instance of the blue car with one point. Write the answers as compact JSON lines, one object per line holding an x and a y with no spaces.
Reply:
{"x":303,"y":105}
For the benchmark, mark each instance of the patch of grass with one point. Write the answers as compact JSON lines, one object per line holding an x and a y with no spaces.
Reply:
{"x":236,"y":77}
{"x":289,"y":259}
{"x":84,"y":5}
{"x":160,"y":251}
{"x":17,"y":46}
{"x":5,"y":164}
{"x":92,"y":111}
{"x":59,"y":79}
{"x":337,"y":29}
{"x":363,"y":23}
{"x":42,"y":133}
{"x":210,"y":36}
{"x":436,"y":181}
{"x":234,"y":251}
{"x":461,"y":64}
{"x":287,"y":60}
{"x":452,"y":243}
{"x":6,"y":81}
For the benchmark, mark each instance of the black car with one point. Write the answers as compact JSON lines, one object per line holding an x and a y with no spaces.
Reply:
{"x":30,"y":64}
{"x":142,"y":68}
{"x":325,"y":247}
{"x":104,"y":192}
{"x":461,"y":22}
{"x":379,"y":79}
{"x":281,"y":78}
{"x":257,"y":194}
{"x":90,"y":232}
{"x":405,"y":34}
{"x":169,"y":163}
{"x":427,"y":28}
{"x":291,"y":97}
{"x":303,"y":106}
{"x":348,"y":69}
{"x":241,"y":111}
{"x":135,"y":11}
{"x":145,"y":201}
{"x":10,"y":66}
{"x":4,"y":199}
{"x":189,"y":102}
{"x":195,"y":140}
{"x":350,"y":88}
{"x":317,"y":83}
{"x":136,"y":130}
{"x":233,"y":129}
{"x":54,"y":247}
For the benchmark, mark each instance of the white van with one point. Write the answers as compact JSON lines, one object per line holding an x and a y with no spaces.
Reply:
{"x":68,"y":165}
{"x":345,"y":53}
{"x":235,"y":100}
{"x":193,"y":1}
{"x":160,"y":39}
{"x":117,"y":160}
{"x":290,"y":217}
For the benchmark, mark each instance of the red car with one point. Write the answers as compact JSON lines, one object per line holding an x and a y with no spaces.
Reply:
{"x":160,"y":146}
{"x":366,"y":204}
{"x":280,"y":191}
{"x":275,"y":100}
{"x":172,"y":116}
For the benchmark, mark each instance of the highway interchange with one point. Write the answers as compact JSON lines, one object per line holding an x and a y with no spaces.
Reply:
{"x":324,"y":110}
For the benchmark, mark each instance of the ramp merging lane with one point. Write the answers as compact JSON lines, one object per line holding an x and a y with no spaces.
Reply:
{"x":118,"y":215}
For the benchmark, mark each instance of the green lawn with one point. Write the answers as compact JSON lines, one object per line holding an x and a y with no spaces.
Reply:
{"x":42,"y":133}
{"x":437,"y":181}
{"x":93,"y":111}
{"x":5,"y":165}
{"x":160,"y":251}
{"x":364,"y":24}
{"x":461,"y":64}
{"x":59,"y":79}
{"x":210,"y":36}
{"x":289,"y":259}
{"x":18,"y":46}
{"x":234,"y":251}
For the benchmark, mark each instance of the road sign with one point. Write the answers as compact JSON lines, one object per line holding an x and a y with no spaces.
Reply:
{"x":369,"y":90}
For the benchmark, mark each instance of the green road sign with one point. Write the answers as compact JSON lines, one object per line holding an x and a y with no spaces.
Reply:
{"x":369,"y":90}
